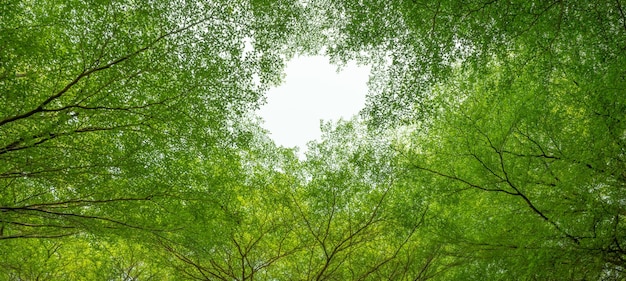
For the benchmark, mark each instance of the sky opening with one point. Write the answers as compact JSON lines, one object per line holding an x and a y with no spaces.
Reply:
{"x":313,"y":90}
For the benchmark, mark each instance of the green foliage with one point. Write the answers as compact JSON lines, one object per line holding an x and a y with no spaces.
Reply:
{"x":415,"y":44}
{"x":531,"y":170}
{"x":118,"y":119}
{"x":492,"y":146}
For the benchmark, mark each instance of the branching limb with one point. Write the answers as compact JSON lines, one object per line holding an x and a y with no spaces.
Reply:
{"x":96,"y":69}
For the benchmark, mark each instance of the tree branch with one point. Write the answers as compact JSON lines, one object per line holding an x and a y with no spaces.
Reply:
{"x":38,"y":236}
{"x":86,"y":73}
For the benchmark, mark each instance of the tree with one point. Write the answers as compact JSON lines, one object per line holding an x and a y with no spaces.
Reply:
{"x":416,"y":44}
{"x":491,"y":147}
{"x":515,"y":108}
{"x":346,"y":206}
{"x":118,"y":117}
{"x":257,"y":233}
{"x":531,"y":168}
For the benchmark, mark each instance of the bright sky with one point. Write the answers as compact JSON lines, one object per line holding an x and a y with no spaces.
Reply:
{"x":312,"y":90}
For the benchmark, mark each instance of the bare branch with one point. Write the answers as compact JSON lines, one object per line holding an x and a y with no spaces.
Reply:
{"x":455,"y":178}
{"x":63,"y":214}
{"x":49,"y":136}
{"x":38,"y":236}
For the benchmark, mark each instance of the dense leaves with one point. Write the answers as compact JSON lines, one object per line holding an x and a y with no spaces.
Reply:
{"x":119,"y":117}
{"x":516,"y":119}
{"x":492,"y":146}
{"x":540,"y":157}
{"x":418,"y":43}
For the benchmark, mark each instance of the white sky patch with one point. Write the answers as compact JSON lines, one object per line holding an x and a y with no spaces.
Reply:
{"x":247,"y":46}
{"x":312,"y":91}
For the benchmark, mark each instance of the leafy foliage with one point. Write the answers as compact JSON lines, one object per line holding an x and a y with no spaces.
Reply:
{"x":118,"y":118}
{"x":492,"y":146}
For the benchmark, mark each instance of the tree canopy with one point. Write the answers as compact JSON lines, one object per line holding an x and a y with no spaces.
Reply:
{"x":492,"y":145}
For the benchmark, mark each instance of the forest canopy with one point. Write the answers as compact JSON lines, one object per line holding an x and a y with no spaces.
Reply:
{"x":492,"y":145}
